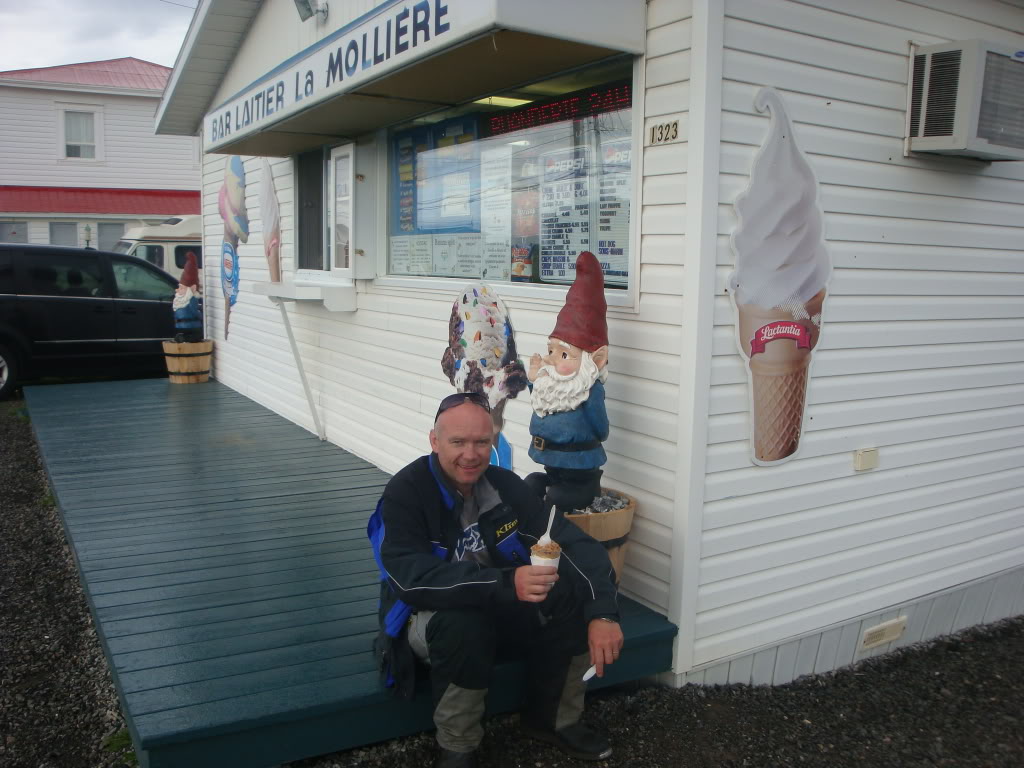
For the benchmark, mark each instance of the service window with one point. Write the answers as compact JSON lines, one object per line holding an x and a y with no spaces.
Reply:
{"x":135,"y":281}
{"x":181,"y":253}
{"x":513,"y":187}
{"x":154,"y":254}
{"x":339,"y":213}
{"x":64,"y":274}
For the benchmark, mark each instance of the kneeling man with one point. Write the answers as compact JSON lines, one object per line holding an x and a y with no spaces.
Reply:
{"x":457,"y":534}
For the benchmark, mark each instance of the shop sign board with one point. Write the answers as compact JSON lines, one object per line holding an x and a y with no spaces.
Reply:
{"x":391,"y":36}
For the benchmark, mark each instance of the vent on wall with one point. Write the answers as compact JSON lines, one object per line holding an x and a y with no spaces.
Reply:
{"x":967,"y":98}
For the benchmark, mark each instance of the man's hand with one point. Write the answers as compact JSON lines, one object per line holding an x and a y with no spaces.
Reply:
{"x":535,"y":364}
{"x":533,"y":582}
{"x":605,"y":638}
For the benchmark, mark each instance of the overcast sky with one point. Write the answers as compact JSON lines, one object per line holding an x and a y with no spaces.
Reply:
{"x":45,"y":33}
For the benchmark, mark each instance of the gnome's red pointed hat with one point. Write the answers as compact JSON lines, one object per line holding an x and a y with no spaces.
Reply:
{"x":583,"y":321}
{"x":190,"y":275}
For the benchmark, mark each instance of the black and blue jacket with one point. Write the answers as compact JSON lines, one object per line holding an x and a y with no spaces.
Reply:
{"x":417,"y":529}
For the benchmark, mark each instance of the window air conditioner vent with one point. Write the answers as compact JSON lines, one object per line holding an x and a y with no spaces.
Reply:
{"x":943,"y":81}
{"x":916,"y":91}
{"x":967,"y":98}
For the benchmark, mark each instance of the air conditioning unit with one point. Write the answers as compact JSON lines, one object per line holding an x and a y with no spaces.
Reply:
{"x":967,"y":98}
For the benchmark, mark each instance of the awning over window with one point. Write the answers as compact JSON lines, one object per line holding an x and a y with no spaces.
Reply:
{"x":407,"y":58}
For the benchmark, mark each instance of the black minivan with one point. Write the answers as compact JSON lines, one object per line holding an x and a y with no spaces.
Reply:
{"x":61,"y":306}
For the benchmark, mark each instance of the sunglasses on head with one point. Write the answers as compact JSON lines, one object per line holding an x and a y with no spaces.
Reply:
{"x":460,"y":398}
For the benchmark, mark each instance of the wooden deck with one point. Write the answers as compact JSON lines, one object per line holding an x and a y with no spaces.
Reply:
{"x":223,"y":553}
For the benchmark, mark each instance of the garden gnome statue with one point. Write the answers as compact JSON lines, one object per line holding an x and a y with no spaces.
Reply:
{"x":569,"y":419}
{"x":481,"y":357}
{"x":188,"y":320}
{"x":231,"y":202}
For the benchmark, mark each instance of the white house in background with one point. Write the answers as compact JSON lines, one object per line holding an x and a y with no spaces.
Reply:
{"x":79,"y":162}
{"x":423,"y":131}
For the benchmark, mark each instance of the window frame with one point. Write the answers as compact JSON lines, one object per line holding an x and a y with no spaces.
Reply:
{"x":306,"y":273}
{"x":330,"y":199}
{"x":49,"y":233}
{"x":24,"y":229}
{"x":96,"y":110}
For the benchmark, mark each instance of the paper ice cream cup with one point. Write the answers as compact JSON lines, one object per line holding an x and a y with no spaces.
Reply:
{"x":548,"y":561}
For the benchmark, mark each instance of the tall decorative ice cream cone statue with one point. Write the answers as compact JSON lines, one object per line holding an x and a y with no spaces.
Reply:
{"x":481,"y":356}
{"x":778,"y":286}
{"x":236,"y":228}
{"x":569,"y":422}
{"x":270,"y":217}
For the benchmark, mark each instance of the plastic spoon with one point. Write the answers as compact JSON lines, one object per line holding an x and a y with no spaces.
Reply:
{"x":546,"y":538}
{"x":590,"y":673}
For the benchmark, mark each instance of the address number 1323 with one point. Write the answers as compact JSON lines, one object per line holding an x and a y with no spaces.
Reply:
{"x":662,"y":133}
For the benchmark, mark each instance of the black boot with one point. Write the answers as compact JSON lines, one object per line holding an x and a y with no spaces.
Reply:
{"x":577,"y":740}
{"x":448,"y":759}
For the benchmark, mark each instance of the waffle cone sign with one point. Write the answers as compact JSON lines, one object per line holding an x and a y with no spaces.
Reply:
{"x":779,"y":285}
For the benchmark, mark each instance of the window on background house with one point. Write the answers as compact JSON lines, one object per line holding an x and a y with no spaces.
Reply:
{"x":63,"y":233}
{"x":309,"y":167}
{"x":13,"y":231}
{"x":107,"y":235}
{"x":511,"y":188}
{"x":181,"y":253}
{"x":80,"y":134}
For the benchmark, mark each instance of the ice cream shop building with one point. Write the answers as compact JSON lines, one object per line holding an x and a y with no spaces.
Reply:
{"x":810,"y":219}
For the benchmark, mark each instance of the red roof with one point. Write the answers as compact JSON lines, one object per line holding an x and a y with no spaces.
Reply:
{"x":112,"y":73}
{"x":146,"y":202}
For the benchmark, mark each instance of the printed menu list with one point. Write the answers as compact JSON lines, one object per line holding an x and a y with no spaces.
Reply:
{"x":613,"y":211}
{"x":564,"y":213}
{"x":496,"y":213}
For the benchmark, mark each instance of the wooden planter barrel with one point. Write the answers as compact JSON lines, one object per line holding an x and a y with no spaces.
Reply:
{"x":610,"y":528}
{"x":188,"y":362}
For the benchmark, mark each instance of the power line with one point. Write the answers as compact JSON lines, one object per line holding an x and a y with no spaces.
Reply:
{"x":180,"y":5}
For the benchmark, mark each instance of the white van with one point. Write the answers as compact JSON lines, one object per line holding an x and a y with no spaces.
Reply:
{"x":166,"y":244}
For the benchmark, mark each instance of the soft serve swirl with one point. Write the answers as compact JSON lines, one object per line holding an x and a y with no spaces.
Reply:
{"x":781,"y":259}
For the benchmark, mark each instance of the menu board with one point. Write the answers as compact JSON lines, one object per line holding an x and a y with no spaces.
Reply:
{"x":496,"y":212}
{"x":564,"y":212}
{"x":612,"y":237}
{"x":412,"y":255}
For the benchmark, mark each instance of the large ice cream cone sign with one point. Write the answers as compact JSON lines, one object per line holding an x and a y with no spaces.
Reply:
{"x":231,"y":202}
{"x":779,"y":285}
{"x":270,"y":219}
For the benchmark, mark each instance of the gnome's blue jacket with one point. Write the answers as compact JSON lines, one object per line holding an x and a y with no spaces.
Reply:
{"x":188,"y":317}
{"x":586,"y":423}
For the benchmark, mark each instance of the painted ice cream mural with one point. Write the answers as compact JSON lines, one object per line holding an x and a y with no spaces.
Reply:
{"x":231,"y":202}
{"x":481,"y":356}
{"x":778,"y":286}
{"x":270,"y":218}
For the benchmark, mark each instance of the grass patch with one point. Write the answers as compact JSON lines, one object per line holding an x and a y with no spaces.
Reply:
{"x":119,"y":742}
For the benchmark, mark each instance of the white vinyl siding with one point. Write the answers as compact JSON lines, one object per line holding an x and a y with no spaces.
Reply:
{"x":130,"y":155}
{"x":922,"y":349}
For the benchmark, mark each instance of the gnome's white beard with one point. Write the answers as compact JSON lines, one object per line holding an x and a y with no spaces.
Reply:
{"x":556,"y":393}
{"x":181,"y":301}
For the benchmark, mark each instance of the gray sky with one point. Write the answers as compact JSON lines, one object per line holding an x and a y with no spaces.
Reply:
{"x":45,"y":33}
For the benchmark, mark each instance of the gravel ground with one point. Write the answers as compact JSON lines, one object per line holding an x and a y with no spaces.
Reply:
{"x":956,"y":702}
